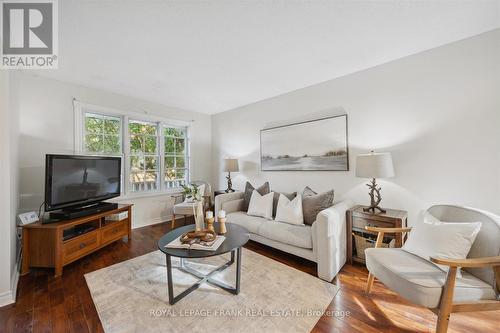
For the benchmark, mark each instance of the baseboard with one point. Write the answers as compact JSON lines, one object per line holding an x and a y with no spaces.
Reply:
{"x":9,"y":296}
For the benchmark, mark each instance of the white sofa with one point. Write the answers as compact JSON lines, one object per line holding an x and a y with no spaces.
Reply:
{"x":324,"y":242}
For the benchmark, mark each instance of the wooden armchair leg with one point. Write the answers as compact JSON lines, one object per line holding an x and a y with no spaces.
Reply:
{"x":173,"y":222}
{"x":369,"y":283}
{"x":446,"y":302}
{"x":371,"y":278}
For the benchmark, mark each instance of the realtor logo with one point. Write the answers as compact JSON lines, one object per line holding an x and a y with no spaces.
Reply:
{"x":29,"y":34}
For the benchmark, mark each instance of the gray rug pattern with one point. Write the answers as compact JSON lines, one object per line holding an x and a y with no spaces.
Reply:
{"x":132,"y":297}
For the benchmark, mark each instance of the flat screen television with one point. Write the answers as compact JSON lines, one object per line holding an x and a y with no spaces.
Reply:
{"x":74,"y":181}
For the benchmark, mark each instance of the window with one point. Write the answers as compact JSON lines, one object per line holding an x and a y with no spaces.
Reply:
{"x":144,"y":156}
{"x":102,"y":134}
{"x":176,"y":156}
{"x":155,"y":151}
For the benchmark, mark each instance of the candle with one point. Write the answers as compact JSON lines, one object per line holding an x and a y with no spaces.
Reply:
{"x":222,"y":213}
{"x":209,"y":214}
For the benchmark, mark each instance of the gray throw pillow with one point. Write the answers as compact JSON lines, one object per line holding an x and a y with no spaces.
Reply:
{"x":276,"y":197}
{"x":263,"y":190}
{"x":313,"y":203}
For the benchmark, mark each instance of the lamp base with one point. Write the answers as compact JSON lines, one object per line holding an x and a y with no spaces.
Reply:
{"x":229,"y":183}
{"x":374,"y":202}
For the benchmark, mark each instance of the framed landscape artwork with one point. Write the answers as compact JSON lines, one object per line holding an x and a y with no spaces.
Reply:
{"x":316,"y":145}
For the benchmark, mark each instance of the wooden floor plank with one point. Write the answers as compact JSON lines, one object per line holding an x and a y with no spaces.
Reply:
{"x":64,"y":304}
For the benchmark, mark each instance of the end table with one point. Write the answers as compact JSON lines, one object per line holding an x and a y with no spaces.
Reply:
{"x":357,"y":219}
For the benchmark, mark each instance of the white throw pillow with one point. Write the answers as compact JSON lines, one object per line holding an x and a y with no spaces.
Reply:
{"x":290,"y":211}
{"x":433,"y":238}
{"x":261,"y":205}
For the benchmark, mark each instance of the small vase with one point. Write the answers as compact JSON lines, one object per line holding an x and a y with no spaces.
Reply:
{"x":199,"y":219}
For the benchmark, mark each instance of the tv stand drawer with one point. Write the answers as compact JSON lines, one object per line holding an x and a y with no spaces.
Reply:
{"x":113,"y":231}
{"x":78,"y":247}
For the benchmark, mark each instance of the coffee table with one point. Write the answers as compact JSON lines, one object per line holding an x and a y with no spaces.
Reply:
{"x":236,"y":237}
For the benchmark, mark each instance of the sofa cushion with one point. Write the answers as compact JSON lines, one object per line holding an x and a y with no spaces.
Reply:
{"x":296,"y":235}
{"x":261,"y":205}
{"x":419,"y":280}
{"x":313,"y":203}
{"x":276,"y":198}
{"x":263,"y":190}
{"x":251,"y":223}
{"x":290,"y":211}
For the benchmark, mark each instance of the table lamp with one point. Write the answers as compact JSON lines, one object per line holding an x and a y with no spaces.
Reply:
{"x":230,"y":165}
{"x":374,"y":165}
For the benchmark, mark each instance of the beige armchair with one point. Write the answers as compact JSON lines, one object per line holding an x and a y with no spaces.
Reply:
{"x":185,"y":209}
{"x":423,"y":283}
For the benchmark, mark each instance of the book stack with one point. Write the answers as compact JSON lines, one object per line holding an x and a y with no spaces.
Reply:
{"x":200,"y":245}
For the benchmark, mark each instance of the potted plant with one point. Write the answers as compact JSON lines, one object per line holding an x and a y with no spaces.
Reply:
{"x":191,"y":193}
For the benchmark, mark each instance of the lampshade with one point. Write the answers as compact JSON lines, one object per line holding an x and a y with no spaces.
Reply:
{"x":231,"y":165}
{"x":374,"y":165}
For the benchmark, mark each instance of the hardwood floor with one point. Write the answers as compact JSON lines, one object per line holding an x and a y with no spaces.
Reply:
{"x":48,"y":304}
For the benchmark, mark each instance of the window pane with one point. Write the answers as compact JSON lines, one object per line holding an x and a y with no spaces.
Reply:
{"x":169,"y":162}
{"x":136,"y":164}
{"x":150,"y":145}
{"x":94,"y":143}
{"x":136,"y":127}
{"x":111,"y":144}
{"x":103,"y":134}
{"x":93,"y":124}
{"x":136,"y":178}
{"x":170,"y":174}
{"x":169,"y":145}
{"x":151,"y":163}
{"x":112,"y":126}
{"x":180,"y":162}
{"x":180,"y":173}
{"x":136,"y":143}
{"x":179,"y":146}
{"x":150,"y":181}
{"x":171,"y":131}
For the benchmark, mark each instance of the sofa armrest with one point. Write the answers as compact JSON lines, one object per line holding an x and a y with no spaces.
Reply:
{"x":329,"y":239}
{"x":230,"y":202}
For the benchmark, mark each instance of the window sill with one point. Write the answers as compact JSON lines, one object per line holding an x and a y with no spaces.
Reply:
{"x":132,"y":196}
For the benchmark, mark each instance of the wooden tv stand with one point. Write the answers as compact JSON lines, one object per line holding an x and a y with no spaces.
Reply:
{"x":44,"y":246}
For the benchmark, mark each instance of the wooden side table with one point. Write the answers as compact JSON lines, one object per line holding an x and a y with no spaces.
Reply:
{"x":357,"y":219}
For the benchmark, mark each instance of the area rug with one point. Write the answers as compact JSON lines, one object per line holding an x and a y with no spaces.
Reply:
{"x":132,"y":297}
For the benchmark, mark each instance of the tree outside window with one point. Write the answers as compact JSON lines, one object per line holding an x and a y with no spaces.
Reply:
{"x":144,"y":156}
{"x":102,"y":134}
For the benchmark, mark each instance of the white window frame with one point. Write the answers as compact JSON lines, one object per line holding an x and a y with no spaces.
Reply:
{"x":81,"y":108}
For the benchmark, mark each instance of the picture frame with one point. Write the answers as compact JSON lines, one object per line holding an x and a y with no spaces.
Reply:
{"x":313,"y":145}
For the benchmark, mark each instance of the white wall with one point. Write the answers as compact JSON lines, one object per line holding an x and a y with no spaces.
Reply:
{"x":438,"y":112}
{"x":8,"y":193}
{"x":46,"y":126}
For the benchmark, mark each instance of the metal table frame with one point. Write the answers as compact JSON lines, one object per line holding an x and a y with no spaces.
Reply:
{"x":203,"y":278}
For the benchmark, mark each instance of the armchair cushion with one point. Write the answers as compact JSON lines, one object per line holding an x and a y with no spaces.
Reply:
{"x":431,"y":237}
{"x":419,"y":280}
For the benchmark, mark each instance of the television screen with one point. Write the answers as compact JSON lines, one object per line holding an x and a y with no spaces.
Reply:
{"x":80,"y":180}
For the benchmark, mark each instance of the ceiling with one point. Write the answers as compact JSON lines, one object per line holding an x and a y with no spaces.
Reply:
{"x":213,"y":56}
